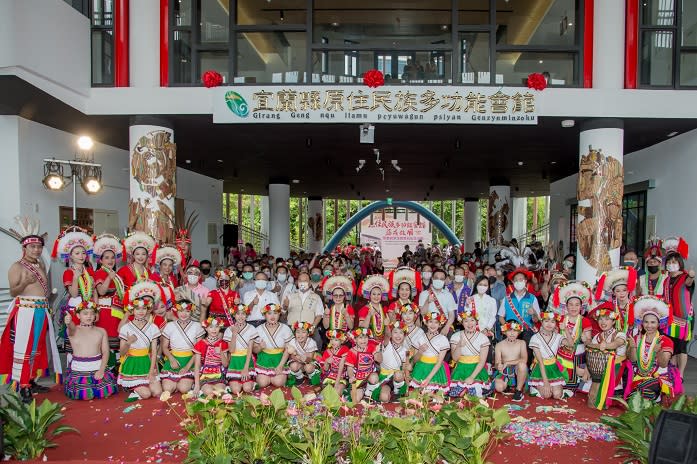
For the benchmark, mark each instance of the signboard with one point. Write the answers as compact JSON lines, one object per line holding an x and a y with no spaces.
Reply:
{"x":392,"y":234}
{"x":421,"y":104}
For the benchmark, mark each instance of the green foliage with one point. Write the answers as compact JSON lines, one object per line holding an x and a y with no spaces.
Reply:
{"x":28,"y":429}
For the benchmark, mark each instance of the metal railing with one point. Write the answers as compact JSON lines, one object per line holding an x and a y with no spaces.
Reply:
{"x":260,"y":241}
{"x":541,"y":235}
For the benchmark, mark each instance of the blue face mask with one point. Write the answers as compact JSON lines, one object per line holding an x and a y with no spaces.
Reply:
{"x":247,"y":275}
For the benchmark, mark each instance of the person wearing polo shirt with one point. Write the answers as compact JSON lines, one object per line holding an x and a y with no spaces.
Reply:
{"x":439,"y":299}
{"x":305,"y":306}
{"x":246,"y":284}
{"x":258,"y":298}
{"x":520,"y":305}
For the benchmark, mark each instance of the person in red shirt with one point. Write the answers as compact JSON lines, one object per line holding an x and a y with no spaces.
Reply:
{"x":333,"y":361}
{"x":110,"y":290}
{"x":223,"y":298}
{"x":406,"y":284}
{"x":139,"y":246}
{"x":338,"y":314}
{"x":375,"y":289}
{"x":361,"y":365}
{"x":168,"y":259}
{"x":210,"y":358}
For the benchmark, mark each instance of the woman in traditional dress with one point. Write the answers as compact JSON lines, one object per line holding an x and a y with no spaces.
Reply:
{"x":613,"y":342}
{"x":618,"y":285}
{"x":405,"y":285}
{"x":271,"y":348}
{"x":430,"y":374}
{"x":338,"y":313}
{"x":167,"y":262}
{"x":241,"y":338}
{"x":110,"y":290}
{"x":547,"y":378}
{"x":375,"y":289}
{"x":178,"y":340}
{"x":470,"y":350}
{"x":138,"y":246}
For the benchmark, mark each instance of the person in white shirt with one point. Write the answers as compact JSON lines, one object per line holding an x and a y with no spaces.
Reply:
{"x":259,"y":298}
{"x":247,"y":281}
{"x":305,"y":306}
{"x":209,"y":281}
{"x":484,"y":305}
{"x":285,"y":285}
{"x":438,"y":299}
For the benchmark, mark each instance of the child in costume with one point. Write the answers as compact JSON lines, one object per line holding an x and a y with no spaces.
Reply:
{"x":430,"y":373}
{"x":271,"y":348}
{"x":360,"y":363}
{"x":241,"y":338}
{"x":224,"y":298}
{"x":302,"y":350}
{"x":375,"y":289}
{"x":87,"y":376}
{"x":609,"y":339}
{"x":139,"y":246}
{"x":547,"y":378}
{"x":210,"y":358}
{"x":394,"y":363}
{"x":618,"y":285}
{"x":139,"y":339}
{"x":470,"y":348}
{"x":333,"y":361}
{"x":178,"y":340}
{"x":511,"y":360}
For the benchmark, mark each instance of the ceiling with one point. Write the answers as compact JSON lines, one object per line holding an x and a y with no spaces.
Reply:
{"x":437,"y":161}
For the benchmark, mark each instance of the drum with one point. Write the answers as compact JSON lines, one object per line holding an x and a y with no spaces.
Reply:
{"x":596,"y":361}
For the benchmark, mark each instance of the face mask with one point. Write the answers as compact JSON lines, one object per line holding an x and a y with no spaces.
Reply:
{"x":492,"y":280}
{"x":479,"y":273}
{"x":327,"y":272}
{"x":427,"y":275}
{"x":568,"y":264}
{"x":260,"y":284}
{"x":282,"y":277}
{"x":481,"y":289}
{"x":268,"y":274}
{"x":673,"y":267}
{"x":316,"y":277}
{"x":652,"y":269}
{"x":629,"y":263}
{"x":520,"y":285}
{"x":270,"y":285}
{"x":192,"y":279}
{"x":296,"y":262}
{"x":206,"y":270}
{"x":224,"y":284}
{"x":459,"y":279}
{"x":303,"y":286}
{"x":247,"y":275}
{"x":451,"y":272}
{"x":438,"y":284}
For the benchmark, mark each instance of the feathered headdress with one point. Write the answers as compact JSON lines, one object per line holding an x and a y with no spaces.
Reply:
{"x":614,"y":277}
{"x":405,"y":275}
{"x":574,"y":289}
{"x":27,"y":231}
{"x":167,"y":252}
{"x":374,"y":281}
{"x":184,"y":230}
{"x":649,"y":304}
{"x":142,"y":289}
{"x":108,"y":242}
{"x":677,"y":245}
{"x":342,"y":282}
{"x":139,"y":239}
{"x":654,"y":249}
{"x":71,"y":238}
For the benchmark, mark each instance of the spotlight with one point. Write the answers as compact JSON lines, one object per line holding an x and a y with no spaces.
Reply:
{"x":53,"y":176}
{"x":85,"y":143}
{"x":92,"y":179}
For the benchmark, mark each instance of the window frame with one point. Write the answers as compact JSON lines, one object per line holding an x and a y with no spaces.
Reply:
{"x":101,"y":28}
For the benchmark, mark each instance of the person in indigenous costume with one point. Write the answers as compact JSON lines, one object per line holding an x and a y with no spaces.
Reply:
{"x":470,"y":350}
{"x":183,"y":243}
{"x":613,"y":342}
{"x":618,"y":285}
{"x":28,"y":333}
{"x":74,"y":246}
{"x":302,"y":351}
{"x":405,"y":285}
{"x":224,"y":298}
{"x":458,"y":288}
{"x":678,"y":291}
{"x":138,"y":351}
{"x":333,"y":361}
{"x":375,"y":289}
{"x":438,"y":299}
{"x":139,"y":246}
{"x":547,"y":376}
{"x":338,"y":314}
{"x":414,"y":336}
{"x":110,"y":290}
{"x":521,"y":306}
{"x":360,"y":363}
{"x":210,"y":358}
{"x":430,"y":373}
{"x":241,"y":338}
{"x":511,"y":361}
{"x":167,"y":262}
{"x":653,"y":282}
{"x":548,"y":288}
{"x":272,"y":348}
{"x":193,"y":290}
{"x":155,"y":294}
{"x":87,"y":376}
{"x":178,"y":340}
{"x":650,"y":352}
{"x":394,"y":364}
{"x":573,"y":298}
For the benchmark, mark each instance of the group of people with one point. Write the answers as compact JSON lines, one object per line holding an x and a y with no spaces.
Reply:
{"x":166,"y":322}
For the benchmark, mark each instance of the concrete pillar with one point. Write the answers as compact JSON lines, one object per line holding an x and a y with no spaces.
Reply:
{"x":473,"y":226}
{"x":599,"y":193}
{"x":144,"y":43}
{"x":279,"y":218}
{"x":315,"y":222}
{"x":520,"y":218}
{"x":153,"y":168}
{"x":608,"y":44}
{"x":499,"y":225}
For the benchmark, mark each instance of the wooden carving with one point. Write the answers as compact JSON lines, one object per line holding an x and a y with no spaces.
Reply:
{"x":498,"y":218}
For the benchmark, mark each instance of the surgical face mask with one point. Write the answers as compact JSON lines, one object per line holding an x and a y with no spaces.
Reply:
{"x":316,"y":277}
{"x":192,"y":279}
{"x":481,"y":289}
{"x":270,"y":285}
{"x":282,"y":277}
{"x":206,"y":270}
{"x":303,"y":286}
{"x":438,"y":284}
{"x":479,"y":272}
{"x":247,"y":275}
{"x":492,"y":280}
{"x":652,"y":269}
{"x":519,"y":285}
{"x":673,"y":267}
{"x":297,"y":262}
{"x":568,"y":264}
{"x":459,"y":278}
{"x":427,"y":275}
{"x":629,"y":263}
{"x":451,"y":272}
{"x":327,"y":272}
{"x":260,"y":284}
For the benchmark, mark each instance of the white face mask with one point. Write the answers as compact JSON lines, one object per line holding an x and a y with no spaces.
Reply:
{"x":520,"y":285}
{"x":303,"y":286}
{"x":481,"y":289}
{"x":673,"y":267}
{"x":260,"y":284}
{"x":459,"y":279}
{"x":192,"y":279}
{"x":427,"y":275}
{"x":282,"y":277}
{"x":438,"y":284}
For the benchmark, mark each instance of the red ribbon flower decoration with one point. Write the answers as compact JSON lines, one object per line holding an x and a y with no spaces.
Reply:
{"x":373,"y":78}
{"x":212,"y":79}
{"x":537,"y":81}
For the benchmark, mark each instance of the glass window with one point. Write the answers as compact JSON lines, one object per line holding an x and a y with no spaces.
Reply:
{"x":689,"y":23}
{"x":257,"y":12}
{"x":102,"y":13}
{"x":102,"y":57}
{"x":514,"y":67}
{"x":634,"y":221}
{"x":473,"y":12}
{"x":264,"y":57}
{"x":521,"y":22}
{"x":341,"y":66}
{"x":657,"y":58}
{"x":181,"y":64}
{"x":182,"y":12}
{"x":214,"y":19}
{"x":475,"y":55}
{"x":658,"y":12}
{"x":688,"y":69}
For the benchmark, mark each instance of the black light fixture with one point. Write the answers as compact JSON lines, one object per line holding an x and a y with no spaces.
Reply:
{"x":91,"y":179}
{"x":283,"y":16}
{"x":53,"y":176}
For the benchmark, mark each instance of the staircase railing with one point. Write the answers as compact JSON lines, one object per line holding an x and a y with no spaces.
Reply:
{"x":541,"y":235}
{"x":260,"y":241}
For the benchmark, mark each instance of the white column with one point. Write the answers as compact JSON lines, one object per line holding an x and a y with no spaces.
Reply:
{"x":599,"y":192}
{"x":279,"y":219}
{"x":315,"y":221}
{"x":520,"y":217}
{"x":153,"y":167}
{"x":144,"y":43}
{"x":473,"y":226}
{"x":608,"y":44}
{"x":264,"y":211}
{"x":499,"y":214}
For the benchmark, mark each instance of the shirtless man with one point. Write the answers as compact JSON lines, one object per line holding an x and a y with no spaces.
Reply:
{"x":511,"y":361}
{"x":23,"y":347}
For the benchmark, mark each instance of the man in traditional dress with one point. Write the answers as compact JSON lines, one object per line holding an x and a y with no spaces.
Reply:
{"x":23,"y":347}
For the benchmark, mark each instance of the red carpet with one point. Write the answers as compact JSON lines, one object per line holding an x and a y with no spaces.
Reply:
{"x":141,"y":434}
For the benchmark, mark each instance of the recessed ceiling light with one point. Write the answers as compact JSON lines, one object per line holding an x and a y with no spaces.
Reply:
{"x":296,"y":181}
{"x":541,"y":61}
{"x":444,"y":27}
{"x":241,"y":190}
{"x":220,"y":161}
{"x":672,"y":134}
{"x":188,"y":161}
{"x":553,"y":162}
{"x":335,"y":24}
{"x":520,"y":163}
{"x":571,"y":24}
{"x":568,"y":123}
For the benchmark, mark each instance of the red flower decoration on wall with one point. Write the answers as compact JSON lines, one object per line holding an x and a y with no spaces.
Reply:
{"x":373,"y":78}
{"x":212,"y":79}
{"x":537,"y":81}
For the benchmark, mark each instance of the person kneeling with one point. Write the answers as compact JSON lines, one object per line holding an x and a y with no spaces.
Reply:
{"x":429,"y":372}
{"x":361,"y":364}
{"x":470,"y":348}
{"x":302,"y":350}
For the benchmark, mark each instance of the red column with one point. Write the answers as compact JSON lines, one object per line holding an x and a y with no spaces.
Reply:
{"x":121,"y":43}
{"x":588,"y":44}
{"x":164,"y":43}
{"x":631,"y":45}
